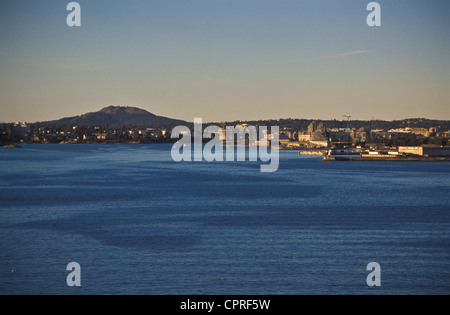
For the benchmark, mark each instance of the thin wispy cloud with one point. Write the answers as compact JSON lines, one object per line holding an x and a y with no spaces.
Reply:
{"x":347,"y":54}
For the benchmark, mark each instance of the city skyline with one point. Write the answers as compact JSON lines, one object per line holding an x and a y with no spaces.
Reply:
{"x":226,"y":60}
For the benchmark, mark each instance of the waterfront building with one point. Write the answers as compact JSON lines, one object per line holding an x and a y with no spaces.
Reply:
{"x":426,"y":150}
{"x":417,"y":131}
{"x":304,"y":137}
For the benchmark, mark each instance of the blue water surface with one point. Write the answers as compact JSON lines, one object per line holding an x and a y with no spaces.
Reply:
{"x":139,"y":223}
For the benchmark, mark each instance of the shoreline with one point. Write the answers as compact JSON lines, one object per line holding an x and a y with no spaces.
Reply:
{"x":384,"y":159}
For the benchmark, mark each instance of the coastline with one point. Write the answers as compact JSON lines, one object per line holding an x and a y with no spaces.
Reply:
{"x":384,"y":159}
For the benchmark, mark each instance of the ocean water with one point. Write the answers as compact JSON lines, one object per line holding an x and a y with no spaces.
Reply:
{"x":139,"y":223}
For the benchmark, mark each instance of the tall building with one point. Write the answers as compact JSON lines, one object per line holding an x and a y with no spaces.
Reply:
{"x":312,"y":127}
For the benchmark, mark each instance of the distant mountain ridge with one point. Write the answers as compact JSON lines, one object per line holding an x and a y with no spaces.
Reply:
{"x":118,"y":116}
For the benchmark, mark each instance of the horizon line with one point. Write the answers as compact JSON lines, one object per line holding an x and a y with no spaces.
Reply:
{"x":224,"y":121}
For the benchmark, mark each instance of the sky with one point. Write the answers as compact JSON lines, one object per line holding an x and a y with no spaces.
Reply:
{"x":226,"y":60}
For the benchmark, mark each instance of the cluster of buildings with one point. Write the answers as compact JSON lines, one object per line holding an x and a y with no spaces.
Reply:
{"x":16,"y":132}
{"x":317,"y":136}
{"x":21,"y":132}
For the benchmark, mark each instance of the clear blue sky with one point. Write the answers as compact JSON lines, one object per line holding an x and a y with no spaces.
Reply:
{"x":226,"y":59}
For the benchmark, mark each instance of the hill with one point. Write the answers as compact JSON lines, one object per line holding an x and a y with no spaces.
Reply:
{"x":118,"y":116}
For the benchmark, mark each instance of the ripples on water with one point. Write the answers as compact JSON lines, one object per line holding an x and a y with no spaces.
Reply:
{"x":139,"y":223}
